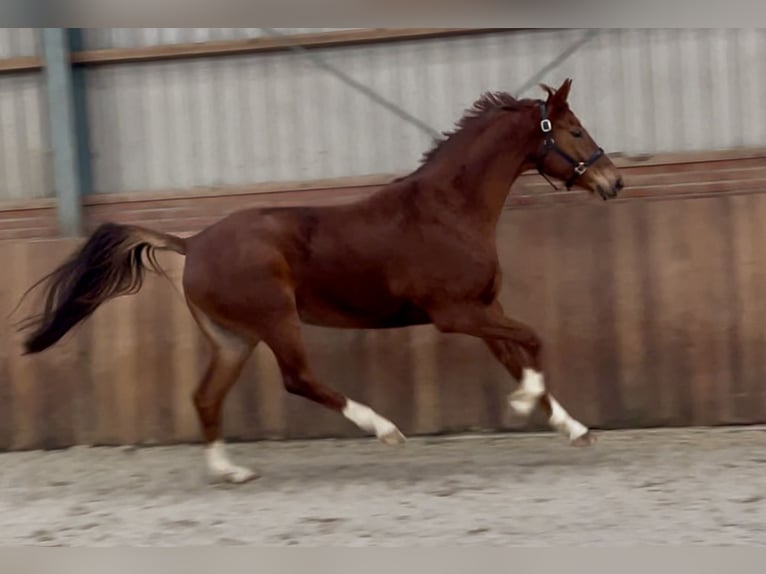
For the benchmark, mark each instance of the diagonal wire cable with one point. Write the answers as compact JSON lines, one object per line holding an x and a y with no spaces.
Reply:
{"x":372,"y":94}
{"x":398,"y":110}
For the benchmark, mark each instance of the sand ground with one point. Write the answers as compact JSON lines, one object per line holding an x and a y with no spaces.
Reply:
{"x":649,"y":486}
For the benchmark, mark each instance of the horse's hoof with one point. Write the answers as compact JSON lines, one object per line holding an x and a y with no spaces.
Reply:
{"x":392,"y":438}
{"x":588,"y":439}
{"x":237,"y":475}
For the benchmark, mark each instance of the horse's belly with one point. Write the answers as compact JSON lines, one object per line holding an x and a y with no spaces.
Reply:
{"x":359,"y":310}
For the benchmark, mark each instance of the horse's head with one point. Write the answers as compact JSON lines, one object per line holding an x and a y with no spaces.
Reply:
{"x":568,"y":152}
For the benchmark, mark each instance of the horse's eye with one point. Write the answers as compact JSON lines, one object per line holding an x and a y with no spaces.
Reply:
{"x":577,"y":133}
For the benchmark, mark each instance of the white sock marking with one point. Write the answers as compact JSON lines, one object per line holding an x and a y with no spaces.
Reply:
{"x":563,"y":422}
{"x":368,"y":420}
{"x":220,"y":466}
{"x":524,"y":399}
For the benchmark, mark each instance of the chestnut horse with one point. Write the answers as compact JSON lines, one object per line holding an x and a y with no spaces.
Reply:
{"x":420,"y":250}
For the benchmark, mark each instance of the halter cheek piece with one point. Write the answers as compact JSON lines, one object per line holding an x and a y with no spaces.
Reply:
{"x":579,"y":167}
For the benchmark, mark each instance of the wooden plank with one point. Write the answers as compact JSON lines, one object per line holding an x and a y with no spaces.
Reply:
{"x":669,"y":253}
{"x":576,"y":321}
{"x":746,"y":262}
{"x":670,"y":193}
{"x":632,"y":314}
{"x":649,"y":249}
{"x":105,"y":353}
{"x":125,"y":374}
{"x":676,"y":158}
{"x":66,"y":394}
{"x":459,"y":365}
{"x":331,"y":195}
{"x":25,"y":383}
{"x":662,"y":164}
{"x":605,"y":336}
{"x":26,"y":205}
{"x":388,"y":376}
{"x":269,"y":44}
{"x":8,"y":299}
{"x":250,"y":189}
{"x":27,"y":64}
{"x":705,"y":310}
{"x":21,"y":64}
{"x":753,"y":304}
{"x":427,"y":398}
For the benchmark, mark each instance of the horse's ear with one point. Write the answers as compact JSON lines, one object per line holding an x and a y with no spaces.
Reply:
{"x":549,"y":90}
{"x":559,"y":98}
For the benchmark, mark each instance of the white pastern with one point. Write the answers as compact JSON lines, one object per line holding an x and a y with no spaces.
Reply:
{"x":221,"y":467}
{"x":524,"y":399}
{"x":368,"y":420}
{"x":532,"y":387}
{"x":564,"y":423}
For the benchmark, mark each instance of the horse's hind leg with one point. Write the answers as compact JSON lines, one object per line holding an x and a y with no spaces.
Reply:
{"x":229,"y":353}
{"x":285,"y":340}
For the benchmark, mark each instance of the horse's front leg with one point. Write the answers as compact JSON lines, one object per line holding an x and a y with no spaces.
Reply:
{"x":519,"y":349}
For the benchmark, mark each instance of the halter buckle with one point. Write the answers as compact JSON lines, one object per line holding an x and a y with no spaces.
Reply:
{"x":546,"y":126}
{"x":581,"y":168}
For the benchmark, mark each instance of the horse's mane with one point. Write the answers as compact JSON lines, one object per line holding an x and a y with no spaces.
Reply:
{"x":482,"y":110}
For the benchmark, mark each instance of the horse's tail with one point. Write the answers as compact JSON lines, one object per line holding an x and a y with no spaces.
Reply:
{"x":111,"y":263}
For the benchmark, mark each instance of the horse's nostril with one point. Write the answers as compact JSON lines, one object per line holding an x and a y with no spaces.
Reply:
{"x":619,"y":185}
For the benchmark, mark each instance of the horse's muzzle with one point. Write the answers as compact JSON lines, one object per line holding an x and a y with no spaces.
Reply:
{"x":610,"y":192}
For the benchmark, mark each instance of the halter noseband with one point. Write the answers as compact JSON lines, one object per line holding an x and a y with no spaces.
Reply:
{"x":579,"y":167}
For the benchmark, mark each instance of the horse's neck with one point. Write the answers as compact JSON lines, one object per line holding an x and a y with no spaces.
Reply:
{"x":495,"y":183}
{"x":479,"y":182}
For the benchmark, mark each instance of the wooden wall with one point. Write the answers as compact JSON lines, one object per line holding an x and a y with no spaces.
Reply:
{"x":652,"y":308}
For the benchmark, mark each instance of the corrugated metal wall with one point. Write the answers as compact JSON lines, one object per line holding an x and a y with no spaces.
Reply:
{"x":16,"y":42}
{"x":102,"y":38}
{"x":276,"y":117}
{"x":24,"y":149}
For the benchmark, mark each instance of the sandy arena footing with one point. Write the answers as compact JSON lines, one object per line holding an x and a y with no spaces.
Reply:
{"x":705,"y":486}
